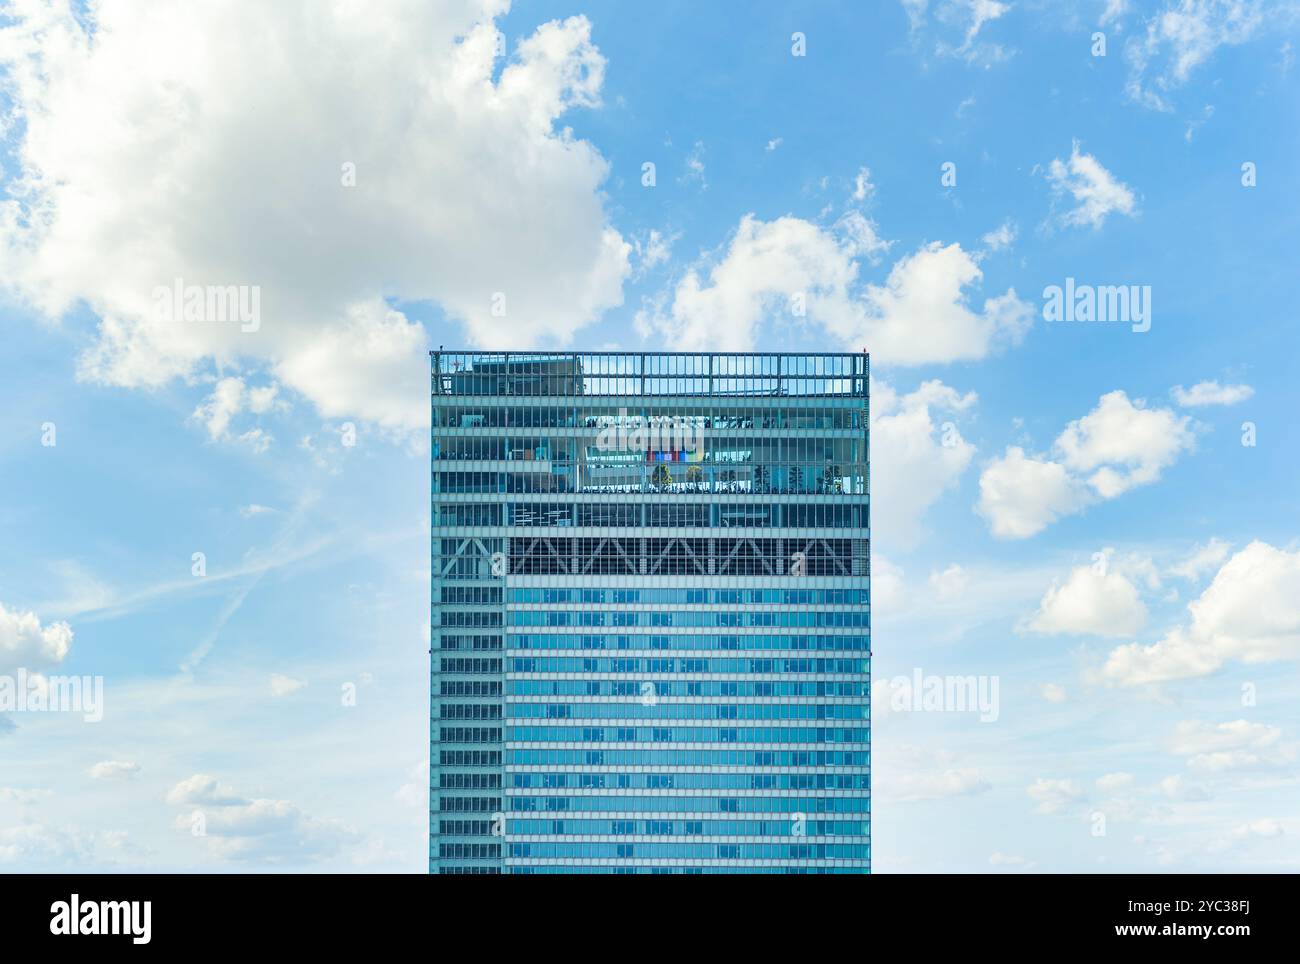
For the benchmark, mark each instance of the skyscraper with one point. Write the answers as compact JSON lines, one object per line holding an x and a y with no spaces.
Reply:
{"x":650,"y":613}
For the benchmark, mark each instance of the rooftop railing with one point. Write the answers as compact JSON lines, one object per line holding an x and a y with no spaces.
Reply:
{"x":533,"y":373}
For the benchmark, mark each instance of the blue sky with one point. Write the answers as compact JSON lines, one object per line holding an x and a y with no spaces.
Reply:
{"x":1065,"y":506}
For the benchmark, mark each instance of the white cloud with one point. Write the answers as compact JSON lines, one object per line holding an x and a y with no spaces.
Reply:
{"x":220,"y":407}
{"x":203,"y":790}
{"x":253,"y":509}
{"x":652,"y":251}
{"x":859,"y":237}
{"x":1114,"y":11}
{"x":911,"y":773}
{"x":982,"y":12}
{"x":264,"y":399}
{"x":915,"y":10}
{"x":137,"y":169}
{"x":1021,"y":495}
{"x":1237,"y":745}
{"x":361,"y":360}
{"x":1096,"y":193}
{"x":695,"y":167}
{"x":887,"y":584}
{"x":1194,"y":738}
{"x":919,"y":315}
{"x":415,"y":792}
{"x":1053,"y":796}
{"x":1180,"y":37}
{"x":1210,"y":393}
{"x":949,"y":584}
{"x":862,"y":186}
{"x":113,"y":769}
{"x":966,"y":18}
{"x":1250,"y":612}
{"x":36,"y":844}
{"x":257,"y":830}
{"x":1096,"y":600}
{"x":1111,"y":782}
{"x":1054,"y":693}
{"x":1000,"y":237}
{"x":282,"y":685}
{"x":765,"y":266}
{"x":229,"y":397}
{"x":774,"y":143}
{"x":256,"y":439}
{"x":999,"y":859}
{"x":1202,"y":560}
{"x":911,"y":787}
{"x":1265,"y":827}
{"x":916,"y":460}
{"x":1177,"y":788}
{"x":1117,"y":446}
{"x":23,"y":796}
{"x":24,"y":642}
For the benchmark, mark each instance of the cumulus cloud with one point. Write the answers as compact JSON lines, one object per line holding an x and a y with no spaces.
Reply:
{"x":1021,"y":495}
{"x":1236,"y":745}
{"x":859,"y":237}
{"x":1121,"y":444}
{"x":1112,"y":782}
{"x":915,"y":459}
{"x":652,"y":250}
{"x":1264,"y":827}
{"x":23,"y":796}
{"x":1096,"y":600}
{"x":766,"y":265}
{"x":1178,"y":788}
{"x":790,"y":272}
{"x":1054,"y":693}
{"x":911,"y":787}
{"x":204,"y":790}
{"x":282,"y":685}
{"x":113,"y":770}
{"x":394,"y":158}
{"x":257,"y":830}
{"x":949,"y":584}
{"x":911,"y":773}
{"x":1000,"y":237}
{"x":415,"y":791}
{"x":229,"y":397}
{"x":1210,"y":393}
{"x":1053,"y":796}
{"x":923,"y":301}
{"x":1117,"y":446}
{"x":24,"y":642}
{"x":1094,"y":192}
{"x":1249,"y":613}
{"x":36,"y":844}
{"x":888,"y":585}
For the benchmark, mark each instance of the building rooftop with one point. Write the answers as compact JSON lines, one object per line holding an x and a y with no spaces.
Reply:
{"x":465,"y":372}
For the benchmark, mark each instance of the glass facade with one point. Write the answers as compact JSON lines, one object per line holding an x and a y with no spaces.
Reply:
{"x":651,"y":643}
